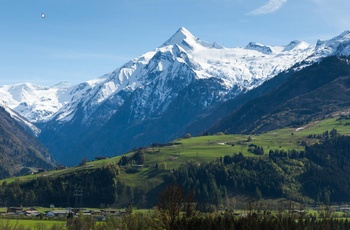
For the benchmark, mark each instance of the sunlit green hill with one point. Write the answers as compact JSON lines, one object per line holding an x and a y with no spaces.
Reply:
{"x":199,"y":149}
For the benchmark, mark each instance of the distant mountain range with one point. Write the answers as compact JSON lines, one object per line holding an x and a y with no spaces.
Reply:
{"x":185,"y":85}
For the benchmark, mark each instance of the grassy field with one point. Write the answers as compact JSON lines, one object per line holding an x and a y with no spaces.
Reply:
{"x":31,"y":224}
{"x":207,"y":148}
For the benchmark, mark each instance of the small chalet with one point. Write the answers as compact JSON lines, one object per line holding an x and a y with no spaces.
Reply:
{"x":100,"y":158}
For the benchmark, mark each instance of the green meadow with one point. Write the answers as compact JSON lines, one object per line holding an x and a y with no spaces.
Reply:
{"x":204,"y":149}
{"x":31,"y":224}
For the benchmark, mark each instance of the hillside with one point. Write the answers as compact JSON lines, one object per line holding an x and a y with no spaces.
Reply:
{"x":140,"y":175}
{"x":19,"y":150}
{"x":312,"y":93}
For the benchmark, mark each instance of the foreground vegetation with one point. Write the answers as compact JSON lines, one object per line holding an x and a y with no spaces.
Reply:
{"x":177,"y":210}
{"x":24,"y":224}
{"x":226,"y":220}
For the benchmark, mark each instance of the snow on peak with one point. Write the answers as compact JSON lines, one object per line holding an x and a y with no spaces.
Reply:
{"x":343,"y":37}
{"x":217,"y":46}
{"x":62,"y":85}
{"x":188,"y":41}
{"x":339,"y":45}
{"x":34,"y":102}
{"x":296,"y":45}
{"x":183,"y":38}
{"x":259,"y":47}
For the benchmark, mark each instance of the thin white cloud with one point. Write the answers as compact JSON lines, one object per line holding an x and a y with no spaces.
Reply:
{"x":270,"y":7}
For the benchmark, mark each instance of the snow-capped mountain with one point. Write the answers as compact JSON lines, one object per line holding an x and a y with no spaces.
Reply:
{"x":40,"y":103}
{"x":239,"y":68}
{"x":184,"y":70}
{"x":152,"y":75}
{"x":339,"y":45}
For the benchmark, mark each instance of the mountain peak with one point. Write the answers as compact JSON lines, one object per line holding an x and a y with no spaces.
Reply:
{"x":62,"y":85}
{"x":183,"y":32}
{"x":188,"y":41}
{"x":345,"y":36}
{"x":339,"y":45}
{"x":183,"y":38}
{"x":259,"y":47}
{"x":346,"y":33}
{"x":296,"y":45}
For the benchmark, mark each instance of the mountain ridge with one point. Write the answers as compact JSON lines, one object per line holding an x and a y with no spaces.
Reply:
{"x":316,"y":91}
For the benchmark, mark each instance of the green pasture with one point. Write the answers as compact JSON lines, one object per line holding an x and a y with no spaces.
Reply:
{"x":209,"y":148}
{"x":31,"y":224}
{"x":206,"y":148}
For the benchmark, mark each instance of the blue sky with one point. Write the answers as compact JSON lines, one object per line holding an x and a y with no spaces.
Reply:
{"x":83,"y":39}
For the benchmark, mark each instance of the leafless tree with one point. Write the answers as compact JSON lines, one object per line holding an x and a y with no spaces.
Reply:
{"x":170,"y":205}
